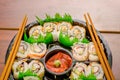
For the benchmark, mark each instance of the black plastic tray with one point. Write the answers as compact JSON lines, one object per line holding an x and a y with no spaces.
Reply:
{"x":76,"y":22}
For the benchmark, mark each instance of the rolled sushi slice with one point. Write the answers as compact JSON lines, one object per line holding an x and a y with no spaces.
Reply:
{"x":92,"y":52}
{"x":78,"y":32}
{"x":19,"y":66}
{"x":96,"y":69}
{"x":23,"y":49}
{"x":78,"y":69}
{"x":37,"y":67}
{"x":64,"y":27}
{"x":50,"y":27}
{"x":37,"y":50}
{"x":35,"y":31}
{"x":80,"y":51}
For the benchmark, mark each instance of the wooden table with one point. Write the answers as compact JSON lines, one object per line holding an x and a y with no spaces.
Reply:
{"x":105,"y":15}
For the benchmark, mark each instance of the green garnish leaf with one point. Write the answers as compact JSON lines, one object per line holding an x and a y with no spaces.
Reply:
{"x":56,"y":18}
{"x":48,"y":38}
{"x":84,"y":77}
{"x":25,"y":36}
{"x":20,"y":76}
{"x":48,"y":18}
{"x":40,"y":21}
{"x":85,"y":40}
{"x":66,"y":40}
{"x":32,"y":40}
{"x":40,"y":38}
{"x":27,"y":73}
{"x":91,"y":77}
{"x":67,"y":18}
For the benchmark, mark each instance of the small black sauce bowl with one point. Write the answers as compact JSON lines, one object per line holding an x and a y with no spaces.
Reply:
{"x":52,"y":51}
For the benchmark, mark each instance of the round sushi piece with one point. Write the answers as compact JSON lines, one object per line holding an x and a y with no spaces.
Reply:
{"x":78,"y":69}
{"x":35,"y":31}
{"x":19,"y":66}
{"x":78,"y":32}
{"x":92,"y":52}
{"x":80,"y":51}
{"x":37,"y":50}
{"x":23,"y":49}
{"x":96,"y":69}
{"x":51,"y":27}
{"x":37,"y":67}
{"x":64,"y":27}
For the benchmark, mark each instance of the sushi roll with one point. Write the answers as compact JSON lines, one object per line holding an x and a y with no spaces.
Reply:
{"x":96,"y":69}
{"x":37,"y":50}
{"x":64,"y":27}
{"x":78,"y":69}
{"x":35,"y":31}
{"x":80,"y":51}
{"x":92,"y":52}
{"x":37,"y":67}
{"x":19,"y":66}
{"x":50,"y":27}
{"x":78,"y":32}
{"x":23,"y":49}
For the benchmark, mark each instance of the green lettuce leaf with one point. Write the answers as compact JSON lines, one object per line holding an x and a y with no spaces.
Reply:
{"x":66,"y":40}
{"x":84,"y":77}
{"x":27,"y":73}
{"x":56,"y":18}
{"x":25,"y":36}
{"x":48,"y":38}
{"x":40,"y":21}
{"x":85,"y":40}
{"x":40,"y":39}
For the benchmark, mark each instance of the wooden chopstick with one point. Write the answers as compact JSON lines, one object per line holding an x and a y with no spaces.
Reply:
{"x":97,"y":50}
{"x":101,"y":49}
{"x":12,"y":55}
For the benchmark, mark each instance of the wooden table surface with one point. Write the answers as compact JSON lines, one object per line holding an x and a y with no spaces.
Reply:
{"x":105,"y":15}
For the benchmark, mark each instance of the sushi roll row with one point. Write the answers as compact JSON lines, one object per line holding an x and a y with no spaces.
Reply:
{"x":83,"y":69}
{"x":35,"y":50}
{"x":22,"y":66}
{"x":55,"y":28}
{"x":84,"y":52}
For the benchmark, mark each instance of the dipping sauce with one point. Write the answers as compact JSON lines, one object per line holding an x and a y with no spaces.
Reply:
{"x":59,"y":62}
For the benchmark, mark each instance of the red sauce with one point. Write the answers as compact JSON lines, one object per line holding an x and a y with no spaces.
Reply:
{"x":65,"y":62}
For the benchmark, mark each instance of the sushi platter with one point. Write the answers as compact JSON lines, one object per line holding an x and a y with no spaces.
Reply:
{"x":57,"y":48}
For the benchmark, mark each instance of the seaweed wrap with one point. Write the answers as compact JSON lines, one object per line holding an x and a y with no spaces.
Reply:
{"x":80,"y":51}
{"x":37,"y":50}
{"x":37,"y":67}
{"x":96,"y":69}
{"x":78,"y":69}
{"x":92,"y":52}
{"x":23,"y":49}
{"x":19,"y":66}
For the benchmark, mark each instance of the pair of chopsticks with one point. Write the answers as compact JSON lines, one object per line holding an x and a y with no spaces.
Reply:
{"x":12,"y":55}
{"x":103,"y":60}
